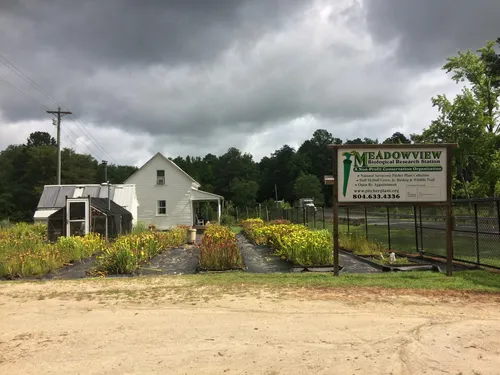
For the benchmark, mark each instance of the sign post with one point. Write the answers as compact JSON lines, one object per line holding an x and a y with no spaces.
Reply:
{"x":393,"y":175}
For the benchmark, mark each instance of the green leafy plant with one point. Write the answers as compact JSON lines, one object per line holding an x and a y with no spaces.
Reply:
{"x":130,"y":251}
{"x":219,"y":249}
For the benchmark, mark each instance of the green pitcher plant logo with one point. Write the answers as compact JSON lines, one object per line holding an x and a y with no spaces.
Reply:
{"x":347,"y":169}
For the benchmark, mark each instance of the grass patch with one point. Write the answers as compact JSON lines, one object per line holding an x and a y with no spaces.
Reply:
{"x":236,"y":230}
{"x":479,"y":280}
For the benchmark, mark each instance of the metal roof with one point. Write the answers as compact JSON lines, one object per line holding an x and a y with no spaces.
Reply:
{"x":199,"y":195}
{"x":100,"y":203}
{"x":54,"y":196}
{"x":44,"y":214}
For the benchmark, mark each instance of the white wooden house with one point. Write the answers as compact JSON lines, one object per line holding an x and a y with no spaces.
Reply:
{"x":168,"y":196}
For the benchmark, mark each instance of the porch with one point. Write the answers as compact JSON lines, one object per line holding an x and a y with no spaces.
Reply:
{"x":206,"y":208}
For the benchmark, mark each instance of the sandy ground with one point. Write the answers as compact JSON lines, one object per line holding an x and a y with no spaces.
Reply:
{"x":169,"y":326}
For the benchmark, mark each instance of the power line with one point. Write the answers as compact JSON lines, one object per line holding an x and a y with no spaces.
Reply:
{"x":18,"y":90}
{"x":20,"y":73}
{"x":11,"y":66}
{"x":76,"y":121}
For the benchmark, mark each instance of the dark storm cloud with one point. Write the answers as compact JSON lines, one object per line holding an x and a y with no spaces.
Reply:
{"x":130,"y":31}
{"x":194,"y":75}
{"x":177,"y":67}
{"x":431,"y":30}
{"x":66,"y":45}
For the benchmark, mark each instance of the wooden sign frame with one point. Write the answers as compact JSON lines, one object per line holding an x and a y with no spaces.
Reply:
{"x":333,"y":180}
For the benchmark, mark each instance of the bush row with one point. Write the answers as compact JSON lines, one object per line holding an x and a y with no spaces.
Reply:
{"x":24,"y":250}
{"x":130,"y":251}
{"x":293,"y":242}
{"x":219,"y":249}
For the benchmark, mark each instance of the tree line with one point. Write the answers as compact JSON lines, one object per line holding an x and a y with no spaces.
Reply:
{"x":471,"y":120}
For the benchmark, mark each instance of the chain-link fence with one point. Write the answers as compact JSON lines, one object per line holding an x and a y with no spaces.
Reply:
{"x":422,"y":230}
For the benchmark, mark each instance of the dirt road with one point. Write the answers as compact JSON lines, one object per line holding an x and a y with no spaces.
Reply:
{"x":169,"y":326}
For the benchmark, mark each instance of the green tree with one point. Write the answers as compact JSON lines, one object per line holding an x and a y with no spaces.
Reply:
{"x":308,"y":186}
{"x":40,"y":139}
{"x":319,"y":157}
{"x":364,"y":141}
{"x":397,"y":138}
{"x":471,"y":121}
{"x":230,"y":167}
{"x":243,"y":192}
{"x":474,"y":70}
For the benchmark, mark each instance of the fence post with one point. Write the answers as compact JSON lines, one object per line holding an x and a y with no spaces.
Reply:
{"x":498,"y":213}
{"x":421,"y":231}
{"x":237,"y":214}
{"x":314,"y":219}
{"x":476,"y":222}
{"x":267,"y":214}
{"x":348,"y":221}
{"x":416,"y":229}
{"x":389,"y":227}
{"x":247,"y":211}
{"x":304,"y":214}
{"x":366,"y":223}
{"x":324,"y":225}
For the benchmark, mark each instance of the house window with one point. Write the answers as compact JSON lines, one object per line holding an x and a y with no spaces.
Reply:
{"x":162,"y":207}
{"x":160,"y":177}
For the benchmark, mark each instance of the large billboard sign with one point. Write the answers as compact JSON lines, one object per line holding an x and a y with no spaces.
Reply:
{"x":384,"y":174}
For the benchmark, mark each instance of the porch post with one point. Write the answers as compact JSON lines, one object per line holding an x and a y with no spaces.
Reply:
{"x":218,"y":211}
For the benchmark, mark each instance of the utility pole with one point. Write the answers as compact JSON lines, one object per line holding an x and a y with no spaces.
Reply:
{"x":105,"y":163}
{"x":59,"y":113}
{"x":276,"y":194}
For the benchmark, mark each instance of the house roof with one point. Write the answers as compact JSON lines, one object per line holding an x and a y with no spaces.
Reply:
{"x":199,"y":195}
{"x":159,"y":154}
{"x":54,"y":196}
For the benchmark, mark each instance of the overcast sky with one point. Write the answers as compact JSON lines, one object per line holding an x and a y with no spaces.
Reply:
{"x":192,"y":77}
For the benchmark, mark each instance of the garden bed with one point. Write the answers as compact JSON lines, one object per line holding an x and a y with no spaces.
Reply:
{"x":219,"y":251}
{"x":258,"y":239}
{"x":293,"y":242}
{"x":260,"y":259}
{"x":25,"y":252}
{"x":176,"y":261}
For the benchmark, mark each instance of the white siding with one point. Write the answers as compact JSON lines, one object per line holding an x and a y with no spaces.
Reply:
{"x":176,"y":192}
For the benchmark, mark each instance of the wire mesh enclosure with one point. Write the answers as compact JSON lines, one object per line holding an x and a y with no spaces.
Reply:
{"x":415,"y":230}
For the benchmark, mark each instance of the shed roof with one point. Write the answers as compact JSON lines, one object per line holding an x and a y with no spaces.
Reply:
{"x":54,"y":196}
{"x":101,"y":204}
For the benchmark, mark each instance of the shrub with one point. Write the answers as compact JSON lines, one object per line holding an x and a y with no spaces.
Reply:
{"x":359,"y":245}
{"x":293,"y":242}
{"x":219,"y":249}
{"x":227,"y":220}
{"x":24,"y":250}
{"x":308,"y":248}
{"x":139,"y":228}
